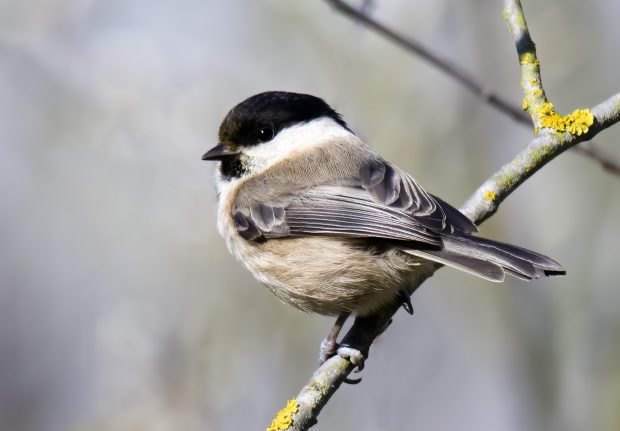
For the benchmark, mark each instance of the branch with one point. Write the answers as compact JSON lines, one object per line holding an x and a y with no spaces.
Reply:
{"x":301,"y":413}
{"x":607,"y":162}
{"x":541,"y":150}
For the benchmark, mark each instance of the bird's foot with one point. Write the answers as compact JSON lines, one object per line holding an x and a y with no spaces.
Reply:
{"x":330,"y":348}
{"x":353,"y":355}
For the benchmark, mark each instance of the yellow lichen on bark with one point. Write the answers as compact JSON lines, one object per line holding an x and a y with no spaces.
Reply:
{"x":579,"y":121}
{"x":576,"y":123}
{"x":537,"y":92}
{"x":549,"y":118}
{"x":490,"y":195}
{"x":284,"y":418}
{"x":525,"y":104}
{"x":528,"y":58}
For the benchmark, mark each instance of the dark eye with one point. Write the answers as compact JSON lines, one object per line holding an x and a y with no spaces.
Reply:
{"x":265,"y":134}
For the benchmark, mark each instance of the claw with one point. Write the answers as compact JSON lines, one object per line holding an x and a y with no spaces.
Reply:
{"x":406,"y":301}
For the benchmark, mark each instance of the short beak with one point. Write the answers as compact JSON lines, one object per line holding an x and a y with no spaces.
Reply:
{"x":219,"y":152}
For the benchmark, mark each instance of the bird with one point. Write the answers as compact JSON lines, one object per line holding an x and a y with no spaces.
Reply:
{"x":330,"y":226}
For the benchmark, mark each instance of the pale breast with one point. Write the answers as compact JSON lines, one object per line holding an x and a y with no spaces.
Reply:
{"x":324,"y":275}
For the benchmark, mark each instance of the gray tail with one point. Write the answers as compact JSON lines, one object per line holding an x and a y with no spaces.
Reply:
{"x":491,"y":259}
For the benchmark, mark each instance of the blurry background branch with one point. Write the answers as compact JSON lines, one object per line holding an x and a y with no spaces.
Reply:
{"x":547,"y":145}
{"x":607,"y":162}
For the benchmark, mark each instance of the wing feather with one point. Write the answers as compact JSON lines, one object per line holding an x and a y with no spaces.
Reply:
{"x":381,"y":202}
{"x":351,"y":211}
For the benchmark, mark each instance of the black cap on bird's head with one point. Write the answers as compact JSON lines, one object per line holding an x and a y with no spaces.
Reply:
{"x":261,"y":117}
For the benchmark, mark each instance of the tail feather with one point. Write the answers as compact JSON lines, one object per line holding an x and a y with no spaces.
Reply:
{"x":478,"y":267}
{"x":491,"y":259}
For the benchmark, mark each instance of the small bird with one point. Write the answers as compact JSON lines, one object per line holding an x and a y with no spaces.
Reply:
{"x":332,"y":228}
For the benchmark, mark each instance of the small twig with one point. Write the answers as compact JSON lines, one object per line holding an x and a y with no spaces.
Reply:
{"x":458,"y":74}
{"x":531,"y":81}
{"x":480,"y":206}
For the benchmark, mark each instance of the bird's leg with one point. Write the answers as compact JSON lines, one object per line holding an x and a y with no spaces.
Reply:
{"x":329,"y":346}
{"x":356,"y":343}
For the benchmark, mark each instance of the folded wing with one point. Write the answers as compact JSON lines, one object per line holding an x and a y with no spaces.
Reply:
{"x":384,"y":202}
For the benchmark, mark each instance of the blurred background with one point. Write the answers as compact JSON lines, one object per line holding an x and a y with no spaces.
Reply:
{"x":120,"y":308}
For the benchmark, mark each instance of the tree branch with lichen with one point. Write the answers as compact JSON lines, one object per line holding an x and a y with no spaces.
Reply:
{"x":547,"y":145}
{"x":553,"y":137}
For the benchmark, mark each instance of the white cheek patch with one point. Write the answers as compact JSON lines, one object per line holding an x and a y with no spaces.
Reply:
{"x":301,"y":136}
{"x":223,"y":185}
